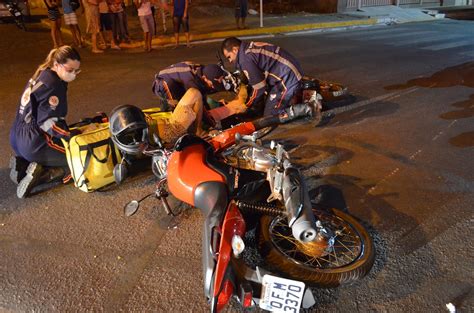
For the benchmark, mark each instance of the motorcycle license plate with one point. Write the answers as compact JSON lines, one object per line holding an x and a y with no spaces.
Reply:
{"x":280,"y":294}
{"x":17,"y":13}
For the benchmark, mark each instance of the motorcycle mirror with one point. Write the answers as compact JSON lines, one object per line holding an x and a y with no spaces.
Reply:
{"x":131,"y":208}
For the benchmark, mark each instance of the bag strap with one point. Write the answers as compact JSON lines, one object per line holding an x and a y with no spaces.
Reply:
{"x":90,"y":153}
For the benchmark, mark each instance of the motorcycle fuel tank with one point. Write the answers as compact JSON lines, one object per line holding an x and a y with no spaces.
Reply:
{"x":187,"y":170}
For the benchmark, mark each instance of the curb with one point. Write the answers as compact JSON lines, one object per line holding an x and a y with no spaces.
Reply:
{"x":213,"y":36}
{"x":265,"y":31}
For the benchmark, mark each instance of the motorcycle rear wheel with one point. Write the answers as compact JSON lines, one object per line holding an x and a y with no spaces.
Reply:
{"x":348,"y":259}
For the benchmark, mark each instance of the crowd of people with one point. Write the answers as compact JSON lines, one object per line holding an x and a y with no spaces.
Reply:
{"x":274,"y":79}
{"x":107,"y":21}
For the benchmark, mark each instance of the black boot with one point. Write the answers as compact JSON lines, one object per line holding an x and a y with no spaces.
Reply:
{"x":18,"y":167}
{"x":31,"y":179}
{"x":52,"y":174}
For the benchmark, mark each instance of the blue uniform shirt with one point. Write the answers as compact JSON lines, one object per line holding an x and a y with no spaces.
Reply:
{"x":266,"y":66}
{"x":40,"y":119}
{"x":172,"y":82}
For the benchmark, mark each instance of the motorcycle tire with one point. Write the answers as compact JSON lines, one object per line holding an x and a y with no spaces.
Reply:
{"x":307,"y":262}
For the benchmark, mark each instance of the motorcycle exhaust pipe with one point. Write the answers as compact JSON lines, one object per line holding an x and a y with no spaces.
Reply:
{"x":298,"y":205}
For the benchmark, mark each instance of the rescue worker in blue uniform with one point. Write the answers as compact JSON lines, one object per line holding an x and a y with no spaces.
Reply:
{"x":171,"y":83}
{"x":40,"y":123}
{"x":273,"y":73}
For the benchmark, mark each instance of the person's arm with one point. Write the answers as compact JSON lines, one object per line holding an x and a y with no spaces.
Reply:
{"x":256,"y":80}
{"x":191,"y":81}
{"x":185,"y":8}
{"x":48,"y":3}
{"x":48,"y":118}
{"x":82,"y":6}
{"x":237,"y":105}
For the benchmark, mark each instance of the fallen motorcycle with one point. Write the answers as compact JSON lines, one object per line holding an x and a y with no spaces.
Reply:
{"x":15,"y":11}
{"x":254,"y":199}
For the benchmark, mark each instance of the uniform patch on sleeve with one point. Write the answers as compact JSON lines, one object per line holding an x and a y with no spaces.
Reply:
{"x":53,"y":102}
{"x":25,"y":98}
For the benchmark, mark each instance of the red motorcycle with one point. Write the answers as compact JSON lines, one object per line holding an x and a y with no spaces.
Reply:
{"x":256,"y":202}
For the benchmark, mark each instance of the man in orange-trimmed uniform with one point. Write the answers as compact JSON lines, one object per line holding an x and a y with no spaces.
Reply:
{"x":273,"y":73}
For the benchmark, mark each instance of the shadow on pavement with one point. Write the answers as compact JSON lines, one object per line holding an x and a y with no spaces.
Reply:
{"x":462,"y":75}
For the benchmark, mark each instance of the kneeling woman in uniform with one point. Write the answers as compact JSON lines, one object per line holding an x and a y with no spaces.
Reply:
{"x":40,"y":123}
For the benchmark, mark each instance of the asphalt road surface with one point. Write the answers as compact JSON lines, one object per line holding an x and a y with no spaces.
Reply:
{"x":399,"y":157}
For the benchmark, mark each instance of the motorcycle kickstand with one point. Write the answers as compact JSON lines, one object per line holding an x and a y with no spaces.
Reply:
{"x":171,"y":220}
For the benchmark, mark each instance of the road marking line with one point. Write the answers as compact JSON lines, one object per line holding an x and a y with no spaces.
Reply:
{"x":372,"y":189}
{"x":363,"y":103}
{"x":468,"y":53}
{"x":468,"y":42}
{"x":378,"y":37}
{"x":358,"y":33}
{"x":428,"y":39}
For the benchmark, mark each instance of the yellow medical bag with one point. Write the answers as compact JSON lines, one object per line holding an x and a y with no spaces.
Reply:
{"x":91,"y":157}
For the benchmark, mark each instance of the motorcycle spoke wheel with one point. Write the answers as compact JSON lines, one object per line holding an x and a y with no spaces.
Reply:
{"x":346,"y":248}
{"x":347,"y":257}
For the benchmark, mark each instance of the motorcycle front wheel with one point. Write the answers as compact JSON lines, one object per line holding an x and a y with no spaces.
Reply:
{"x":347,"y":257}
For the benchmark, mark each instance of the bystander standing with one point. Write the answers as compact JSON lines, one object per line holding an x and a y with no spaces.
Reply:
{"x":93,"y":23}
{"x":241,"y":7}
{"x":55,"y":22}
{"x":106,"y":24}
{"x":146,"y":22}
{"x":181,"y":17}
{"x":70,"y":19}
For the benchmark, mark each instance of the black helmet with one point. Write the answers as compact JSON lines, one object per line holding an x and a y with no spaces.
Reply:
{"x":129,"y":129}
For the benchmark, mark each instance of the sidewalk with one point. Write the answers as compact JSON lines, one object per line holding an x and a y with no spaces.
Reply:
{"x":212,"y":22}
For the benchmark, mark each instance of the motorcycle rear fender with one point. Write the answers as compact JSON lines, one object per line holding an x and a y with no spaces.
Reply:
{"x":211,"y":198}
{"x":233,"y":224}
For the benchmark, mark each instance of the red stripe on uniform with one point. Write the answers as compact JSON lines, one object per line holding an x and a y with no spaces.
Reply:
{"x":168,"y":92}
{"x":54,"y":146}
{"x":254,"y":94}
{"x":67,"y":179}
{"x":282,"y":95}
{"x":60,"y":130}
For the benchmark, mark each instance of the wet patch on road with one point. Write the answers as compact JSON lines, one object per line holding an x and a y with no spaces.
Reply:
{"x":466,"y":110}
{"x":464,"y":140}
{"x":459,"y":75}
